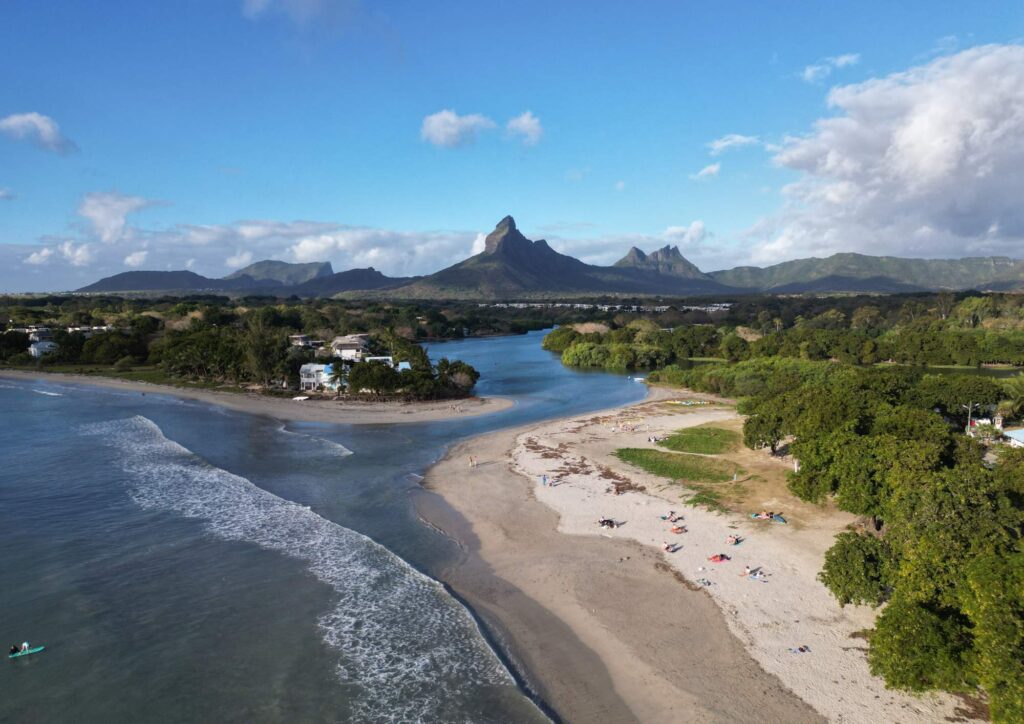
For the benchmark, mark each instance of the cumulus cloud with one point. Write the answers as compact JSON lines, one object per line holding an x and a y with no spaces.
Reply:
{"x":108,"y":212}
{"x":687,"y":236}
{"x":39,"y":257}
{"x":450,"y":130}
{"x":136,"y":258}
{"x":526,"y":126}
{"x":238,"y":260}
{"x":823,"y":69}
{"x":76,"y":254}
{"x":709,"y":171}
{"x":39,"y":130}
{"x":926,"y":162}
{"x":731,"y":140}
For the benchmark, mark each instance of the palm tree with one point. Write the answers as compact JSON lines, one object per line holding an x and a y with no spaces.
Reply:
{"x":1013,"y":405}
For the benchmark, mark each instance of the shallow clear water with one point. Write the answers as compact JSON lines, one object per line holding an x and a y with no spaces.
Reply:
{"x":182,"y":562}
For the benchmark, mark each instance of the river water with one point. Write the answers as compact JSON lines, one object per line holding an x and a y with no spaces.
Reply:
{"x":182,"y":562}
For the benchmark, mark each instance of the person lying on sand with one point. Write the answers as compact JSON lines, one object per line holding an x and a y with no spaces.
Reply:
{"x":607,"y":523}
{"x":733,"y":540}
{"x":669,"y":547}
{"x":671,"y":517}
{"x":764,"y":515}
{"x":800,"y":650}
{"x":677,"y":529}
{"x":719,"y":558}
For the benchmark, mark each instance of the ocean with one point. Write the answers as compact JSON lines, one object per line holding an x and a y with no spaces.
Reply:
{"x":183,"y":562}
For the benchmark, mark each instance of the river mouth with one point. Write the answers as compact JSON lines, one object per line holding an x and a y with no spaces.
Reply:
{"x":181,"y":528}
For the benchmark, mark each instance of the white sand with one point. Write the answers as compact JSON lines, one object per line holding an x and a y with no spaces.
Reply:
{"x":791,"y":609}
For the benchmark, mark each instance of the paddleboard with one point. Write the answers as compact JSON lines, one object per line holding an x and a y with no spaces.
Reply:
{"x":34,"y":650}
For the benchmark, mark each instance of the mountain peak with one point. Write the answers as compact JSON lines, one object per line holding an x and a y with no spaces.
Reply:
{"x":666,"y":260}
{"x":504,"y":234}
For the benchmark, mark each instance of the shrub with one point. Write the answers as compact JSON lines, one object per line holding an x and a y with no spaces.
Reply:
{"x":857,"y":569}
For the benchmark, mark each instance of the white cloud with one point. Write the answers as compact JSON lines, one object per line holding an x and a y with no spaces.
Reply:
{"x":76,"y":254}
{"x":687,"y":236}
{"x":6,"y":195}
{"x":107,"y":212}
{"x":136,"y":258}
{"x":709,"y":171}
{"x":39,"y":130}
{"x":620,"y":185}
{"x":926,"y":162}
{"x":306,"y":13}
{"x":238,"y":260}
{"x":527,"y":126}
{"x":39,"y":257}
{"x":823,"y":69}
{"x":448,"y":129}
{"x":731,"y":140}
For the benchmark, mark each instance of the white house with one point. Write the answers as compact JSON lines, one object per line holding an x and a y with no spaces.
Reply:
{"x":299,"y":340}
{"x":38,"y":349}
{"x":350,"y":347}
{"x":314,"y":376}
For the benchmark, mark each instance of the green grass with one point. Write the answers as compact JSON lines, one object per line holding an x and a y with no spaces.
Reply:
{"x":703,"y":475}
{"x":702,"y":440}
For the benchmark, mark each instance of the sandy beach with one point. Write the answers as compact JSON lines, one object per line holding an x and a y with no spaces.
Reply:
{"x":608,"y":627}
{"x":284,"y":409}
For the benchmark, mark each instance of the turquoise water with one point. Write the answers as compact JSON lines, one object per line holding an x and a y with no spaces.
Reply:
{"x":182,"y":562}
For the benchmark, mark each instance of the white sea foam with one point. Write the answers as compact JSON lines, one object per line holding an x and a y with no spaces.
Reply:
{"x":403,"y":641}
{"x":328,"y":446}
{"x":49,"y":394}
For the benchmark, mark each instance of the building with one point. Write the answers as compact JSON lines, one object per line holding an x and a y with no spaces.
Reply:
{"x":314,"y":376}
{"x":299,"y":340}
{"x":351,"y":347}
{"x":38,"y":349}
{"x":39,"y":334}
{"x":1015,"y":437}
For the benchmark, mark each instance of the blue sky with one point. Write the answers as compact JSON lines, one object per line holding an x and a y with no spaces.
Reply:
{"x":202,"y":132}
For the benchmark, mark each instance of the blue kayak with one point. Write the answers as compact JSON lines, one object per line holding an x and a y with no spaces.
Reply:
{"x":34,"y":650}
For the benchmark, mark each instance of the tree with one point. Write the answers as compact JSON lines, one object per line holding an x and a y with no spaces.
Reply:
{"x":915,"y":648}
{"x":375,"y":377}
{"x":1013,"y":405}
{"x":994,"y":601}
{"x":858,"y":569}
{"x":264,"y":348}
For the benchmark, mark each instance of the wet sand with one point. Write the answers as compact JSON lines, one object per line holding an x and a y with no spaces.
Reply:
{"x":602,"y":629}
{"x":286,"y":409}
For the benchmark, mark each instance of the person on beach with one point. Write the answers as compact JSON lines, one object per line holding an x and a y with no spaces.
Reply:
{"x":677,"y":529}
{"x":733,"y":540}
{"x":544,"y":480}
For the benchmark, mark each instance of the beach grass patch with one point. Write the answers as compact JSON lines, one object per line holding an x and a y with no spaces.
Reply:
{"x":710,"y":479}
{"x":702,"y":440}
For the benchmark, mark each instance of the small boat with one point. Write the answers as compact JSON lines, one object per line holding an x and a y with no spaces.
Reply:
{"x":33,"y":650}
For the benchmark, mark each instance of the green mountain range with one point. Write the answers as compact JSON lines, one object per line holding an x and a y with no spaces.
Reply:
{"x":514,"y":267}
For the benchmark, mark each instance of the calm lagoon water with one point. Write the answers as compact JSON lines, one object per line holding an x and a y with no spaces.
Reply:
{"x":182,"y":562}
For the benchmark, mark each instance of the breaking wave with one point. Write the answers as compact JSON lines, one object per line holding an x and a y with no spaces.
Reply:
{"x":328,"y":446}
{"x":404,"y":644}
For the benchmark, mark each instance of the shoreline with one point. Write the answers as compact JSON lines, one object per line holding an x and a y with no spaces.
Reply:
{"x":593,"y":620}
{"x":286,"y":410}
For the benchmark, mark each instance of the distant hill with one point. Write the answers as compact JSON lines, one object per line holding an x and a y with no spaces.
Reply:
{"x":346,"y":281}
{"x":868,"y":272}
{"x":512,"y":265}
{"x":162,"y":281}
{"x":284,"y":273}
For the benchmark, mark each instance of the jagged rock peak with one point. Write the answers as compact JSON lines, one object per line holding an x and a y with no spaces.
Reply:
{"x":634,"y":257}
{"x":505,"y":231}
